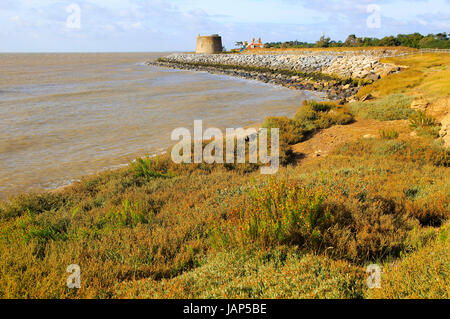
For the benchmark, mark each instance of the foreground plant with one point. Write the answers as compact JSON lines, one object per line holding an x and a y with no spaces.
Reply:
{"x":279,"y":213}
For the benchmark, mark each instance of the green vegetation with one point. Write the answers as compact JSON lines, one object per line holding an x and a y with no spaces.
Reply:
{"x":149,"y":168}
{"x":419,"y":151}
{"x":391,"y":107}
{"x":129,"y":233}
{"x":425,"y":75}
{"x":281,"y":273}
{"x":291,"y":131}
{"x":321,"y":115}
{"x":311,"y":117}
{"x":415,"y":40}
{"x":276,"y":214}
{"x":424,"y":124}
{"x":157,"y":229}
{"x":389,"y":134}
{"x":423,"y":274}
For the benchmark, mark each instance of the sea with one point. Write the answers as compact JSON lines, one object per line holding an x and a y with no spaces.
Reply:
{"x":64,"y":116}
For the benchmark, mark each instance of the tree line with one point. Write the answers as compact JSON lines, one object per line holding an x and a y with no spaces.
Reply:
{"x":414,"y":40}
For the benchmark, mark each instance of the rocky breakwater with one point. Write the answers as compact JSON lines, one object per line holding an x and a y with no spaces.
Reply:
{"x":339,"y":76}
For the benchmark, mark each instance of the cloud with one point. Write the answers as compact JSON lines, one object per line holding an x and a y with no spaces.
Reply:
{"x":162,"y":25}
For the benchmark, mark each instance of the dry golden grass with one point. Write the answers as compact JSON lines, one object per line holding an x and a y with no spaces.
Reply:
{"x":42,"y":235}
{"x":375,"y":203}
{"x":281,"y":273}
{"x":425,"y":274}
{"x":426,"y":75}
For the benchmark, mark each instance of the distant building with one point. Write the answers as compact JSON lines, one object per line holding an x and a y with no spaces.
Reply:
{"x":209,"y":44}
{"x":255,"y":45}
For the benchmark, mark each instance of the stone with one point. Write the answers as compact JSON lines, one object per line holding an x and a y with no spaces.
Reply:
{"x":343,"y":101}
{"x":366,"y":97}
{"x":444,"y":133}
{"x":328,"y":62}
{"x":373,"y":76}
{"x":419,"y":104}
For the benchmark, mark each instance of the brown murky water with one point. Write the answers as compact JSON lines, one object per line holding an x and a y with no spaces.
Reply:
{"x":63,"y":116}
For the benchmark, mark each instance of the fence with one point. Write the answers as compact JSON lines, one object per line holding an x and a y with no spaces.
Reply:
{"x":421,"y":51}
{"x":434,"y":50}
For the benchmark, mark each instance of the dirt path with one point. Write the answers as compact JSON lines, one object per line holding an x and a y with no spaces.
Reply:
{"x":323,"y":142}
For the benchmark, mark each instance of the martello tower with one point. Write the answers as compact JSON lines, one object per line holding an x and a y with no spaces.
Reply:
{"x":209,"y":44}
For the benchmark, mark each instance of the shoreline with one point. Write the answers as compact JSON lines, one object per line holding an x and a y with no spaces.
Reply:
{"x":338,"y":75}
{"x":268,"y":78}
{"x":332,"y":89}
{"x":274,"y":80}
{"x":256,"y":126}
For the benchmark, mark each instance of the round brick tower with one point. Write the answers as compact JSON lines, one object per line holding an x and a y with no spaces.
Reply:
{"x":209,"y":44}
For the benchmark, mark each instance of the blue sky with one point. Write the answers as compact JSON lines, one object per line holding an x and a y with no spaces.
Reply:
{"x":169,"y":25}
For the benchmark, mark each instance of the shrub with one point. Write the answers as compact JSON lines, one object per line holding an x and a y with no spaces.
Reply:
{"x":279,"y":273}
{"x":367,"y":228}
{"x":306,"y":115}
{"x":423,"y":274}
{"x":29,"y":227}
{"x":129,"y":215}
{"x":418,"y":151}
{"x":389,"y":108}
{"x":334,"y":117}
{"x":149,"y":168}
{"x":388,"y":134}
{"x":291,"y":132}
{"x":421,"y":119}
{"x":309,"y":118}
{"x":320,"y":115}
{"x":32,"y":203}
{"x":424,"y":124}
{"x":278,"y":213}
{"x":320,"y":106}
{"x":357,"y":228}
{"x":429,"y":212}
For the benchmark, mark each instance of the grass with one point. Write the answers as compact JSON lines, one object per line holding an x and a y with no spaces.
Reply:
{"x":424,"y":124}
{"x":148,"y":168}
{"x":281,"y":273}
{"x":423,"y":274}
{"x":389,"y":134}
{"x":420,"y":152}
{"x":157,"y":229}
{"x":276,"y":214}
{"x":123,"y":229}
{"x":291,"y":131}
{"x":310,"y":118}
{"x":389,"y":108}
{"x":425,"y":75}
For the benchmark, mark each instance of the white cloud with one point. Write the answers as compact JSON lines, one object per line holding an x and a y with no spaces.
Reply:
{"x":156,"y":25}
{"x":15,"y":19}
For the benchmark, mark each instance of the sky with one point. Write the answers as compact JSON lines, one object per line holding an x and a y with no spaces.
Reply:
{"x":172,"y":25}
